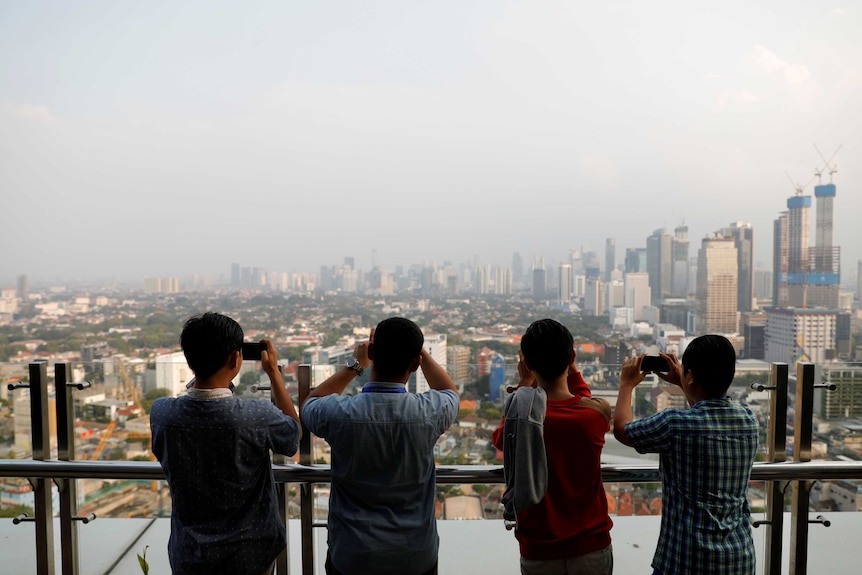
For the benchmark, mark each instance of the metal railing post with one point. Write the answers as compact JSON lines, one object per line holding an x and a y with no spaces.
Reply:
{"x":41,"y":436}
{"x":802,"y":433}
{"x":306,"y":497}
{"x":69,"y":557}
{"x":776,"y":452}
{"x":282,"y":566}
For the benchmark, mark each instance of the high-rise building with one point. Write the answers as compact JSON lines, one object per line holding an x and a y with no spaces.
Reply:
{"x":797,"y":250}
{"x":234,"y":275}
{"x":23,"y":288}
{"x":161,"y":285}
{"x":635,"y":260}
{"x":502,"y":280}
{"x":859,"y":283}
{"x":717,"y":286}
{"x":794,"y":335}
{"x":845,"y":401}
{"x":610,"y":257}
{"x":517,"y":268}
{"x":659,"y":268}
{"x":483,"y":279}
{"x":753,"y":329}
{"x":616,"y":294}
{"x":763,"y":286}
{"x":743,"y":237}
{"x":825,"y":273}
{"x":679,"y":262}
{"x":539,"y":288}
{"x":435,"y":345}
{"x":594,"y":298}
{"x":458,"y":364}
{"x":565,"y":284}
{"x":780,"y":260}
{"x":637,"y":293}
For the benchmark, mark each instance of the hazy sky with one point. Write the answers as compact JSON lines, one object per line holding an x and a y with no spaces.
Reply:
{"x":167,"y":138}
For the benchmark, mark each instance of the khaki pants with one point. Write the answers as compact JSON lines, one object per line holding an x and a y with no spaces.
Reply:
{"x":599,"y":562}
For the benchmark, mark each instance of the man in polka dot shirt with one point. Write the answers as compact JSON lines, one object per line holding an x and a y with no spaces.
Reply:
{"x":215,"y":451}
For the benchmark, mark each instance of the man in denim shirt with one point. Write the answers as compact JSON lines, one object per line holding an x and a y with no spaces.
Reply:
{"x":381,"y":507}
{"x":215,"y":451}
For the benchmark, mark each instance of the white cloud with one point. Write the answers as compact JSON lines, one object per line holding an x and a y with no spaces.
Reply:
{"x":839,"y":11}
{"x":41,"y":114}
{"x":768,"y":61}
{"x":727,"y":97}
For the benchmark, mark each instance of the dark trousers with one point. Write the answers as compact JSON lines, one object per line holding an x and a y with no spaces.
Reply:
{"x":331,"y":570}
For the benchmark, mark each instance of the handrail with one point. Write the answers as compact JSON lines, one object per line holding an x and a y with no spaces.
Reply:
{"x":446,"y":474}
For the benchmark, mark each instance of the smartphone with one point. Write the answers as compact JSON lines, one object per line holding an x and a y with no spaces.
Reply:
{"x":654,"y":363}
{"x":252,"y":349}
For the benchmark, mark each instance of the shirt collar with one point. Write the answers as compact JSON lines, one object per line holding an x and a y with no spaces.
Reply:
{"x":381,"y":387}
{"x":216,"y":393}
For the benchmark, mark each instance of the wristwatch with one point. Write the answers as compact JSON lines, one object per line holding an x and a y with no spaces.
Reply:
{"x":353,"y":363}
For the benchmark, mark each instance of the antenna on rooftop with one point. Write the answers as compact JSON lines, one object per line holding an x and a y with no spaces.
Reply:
{"x":828,"y":166}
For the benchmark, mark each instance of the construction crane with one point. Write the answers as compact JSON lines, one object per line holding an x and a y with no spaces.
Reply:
{"x":104,"y":441}
{"x":827,"y":165}
{"x":800,"y":189}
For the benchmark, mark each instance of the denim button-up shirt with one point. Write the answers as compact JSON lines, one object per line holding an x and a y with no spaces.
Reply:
{"x":216,"y":456}
{"x":381,"y":507}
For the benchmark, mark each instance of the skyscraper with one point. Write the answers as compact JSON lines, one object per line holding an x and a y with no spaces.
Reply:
{"x":23,"y":291}
{"x":517,"y":268}
{"x":797,"y":250}
{"x":658,"y":262}
{"x":717,"y":286}
{"x":234,"y":275}
{"x":539,"y":289}
{"x":679,"y":262}
{"x":565,"y":287}
{"x":635,"y":260}
{"x":610,"y":257}
{"x":859,"y":282}
{"x":637,"y":293}
{"x":435,"y":345}
{"x":743,"y":236}
{"x":780,"y":259}
{"x":825,"y":274}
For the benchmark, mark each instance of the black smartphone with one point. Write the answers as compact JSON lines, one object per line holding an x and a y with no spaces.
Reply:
{"x":252,"y":349}
{"x":654,"y":363}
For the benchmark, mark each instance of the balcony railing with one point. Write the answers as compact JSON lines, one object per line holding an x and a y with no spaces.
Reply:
{"x":64,"y":472}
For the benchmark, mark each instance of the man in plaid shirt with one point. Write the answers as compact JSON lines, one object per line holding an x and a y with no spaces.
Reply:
{"x":706,"y":456}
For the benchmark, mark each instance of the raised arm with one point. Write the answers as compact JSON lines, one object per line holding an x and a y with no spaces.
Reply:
{"x":282,"y":400}
{"x":630,"y":377}
{"x":337,"y":382}
{"x":435,"y":375}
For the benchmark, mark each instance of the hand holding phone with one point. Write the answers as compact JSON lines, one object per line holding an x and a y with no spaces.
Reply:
{"x":251,"y":350}
{"x":654,"y":364}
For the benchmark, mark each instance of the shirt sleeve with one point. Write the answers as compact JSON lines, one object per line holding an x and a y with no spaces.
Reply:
{"x":652,"y":434}
{"x":313,"y":417}
{"x":282,"y":432}
{"x":448,"y":408}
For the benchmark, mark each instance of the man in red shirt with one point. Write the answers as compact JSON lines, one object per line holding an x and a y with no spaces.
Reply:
{"x":568,"y":532}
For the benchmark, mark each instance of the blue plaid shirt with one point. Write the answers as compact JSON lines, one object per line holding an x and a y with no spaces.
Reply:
{"x":706,"y":456}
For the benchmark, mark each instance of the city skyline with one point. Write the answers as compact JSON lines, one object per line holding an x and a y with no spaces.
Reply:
{"x":164,"y":139}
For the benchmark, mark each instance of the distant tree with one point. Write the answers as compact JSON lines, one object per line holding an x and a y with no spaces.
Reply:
{"x":16,"y":511}
{"x":249,"y":378}
{"x":151,"y":396}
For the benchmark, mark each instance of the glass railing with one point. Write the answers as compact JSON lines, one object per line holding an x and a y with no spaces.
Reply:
{"x":116,"y":478}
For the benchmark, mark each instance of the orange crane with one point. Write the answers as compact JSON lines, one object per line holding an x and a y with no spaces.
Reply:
{"x":104,"y":441}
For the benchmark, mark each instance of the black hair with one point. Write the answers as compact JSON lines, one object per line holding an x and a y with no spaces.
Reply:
{"x":208,"y":340}
{"x":712,"y":360}
{"x":397,"y":343}
{"x":548,"y":348}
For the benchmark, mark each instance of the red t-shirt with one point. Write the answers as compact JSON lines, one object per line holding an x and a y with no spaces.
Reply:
{"x":572,"y":519}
